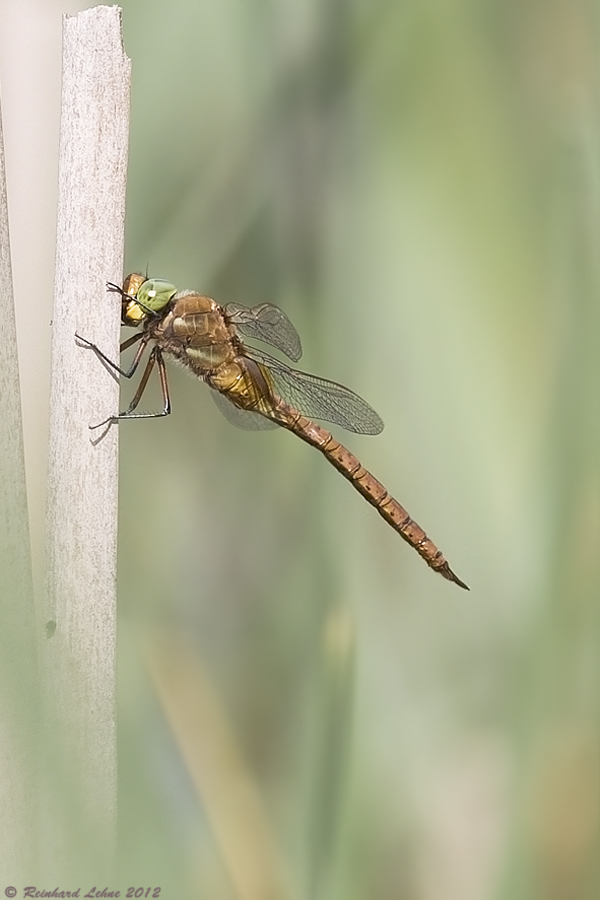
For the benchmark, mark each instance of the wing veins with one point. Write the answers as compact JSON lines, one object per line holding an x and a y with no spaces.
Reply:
{"x":319,"y":398}
{"x":267,"y":323}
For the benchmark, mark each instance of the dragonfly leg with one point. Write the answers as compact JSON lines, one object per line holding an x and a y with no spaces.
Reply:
{"x":155,"y":357}
{"x":126,"y":373}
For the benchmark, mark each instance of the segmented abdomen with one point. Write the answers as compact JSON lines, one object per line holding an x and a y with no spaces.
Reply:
{"x":367,"y":485}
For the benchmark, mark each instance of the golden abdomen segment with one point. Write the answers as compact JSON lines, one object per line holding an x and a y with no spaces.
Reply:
{"x":367,"y":485}
{"x":245,"y":383}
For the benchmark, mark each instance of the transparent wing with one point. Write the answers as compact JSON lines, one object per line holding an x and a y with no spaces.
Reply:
{"x":319,"y":398}
{"x":266,"y":323}
{"x":242,"y":418}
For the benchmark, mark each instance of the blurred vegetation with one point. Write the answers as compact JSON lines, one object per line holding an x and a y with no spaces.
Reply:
{"x":305,"y":709}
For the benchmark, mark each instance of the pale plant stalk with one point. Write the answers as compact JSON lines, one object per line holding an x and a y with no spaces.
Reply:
{"x":80,"y":613}
{"x":18,"y":675}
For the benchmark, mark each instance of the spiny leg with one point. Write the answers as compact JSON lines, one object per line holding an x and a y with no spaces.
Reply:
{"x":155,"y":357}
{"x":126,"y":373}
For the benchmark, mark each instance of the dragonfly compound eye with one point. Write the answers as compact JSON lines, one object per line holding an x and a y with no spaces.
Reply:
{"x":155,"y":293}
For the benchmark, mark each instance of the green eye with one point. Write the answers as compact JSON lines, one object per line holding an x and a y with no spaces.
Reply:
{"x":155,"y":294}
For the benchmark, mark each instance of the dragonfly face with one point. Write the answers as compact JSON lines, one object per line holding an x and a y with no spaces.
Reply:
{"x":251,"y":387}
{"x":142,"y":298}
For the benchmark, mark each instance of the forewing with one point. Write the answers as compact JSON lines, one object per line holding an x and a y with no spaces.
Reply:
{"x":242,"y":418}
{"x":267,"y":323}
{"x":319,"y":398}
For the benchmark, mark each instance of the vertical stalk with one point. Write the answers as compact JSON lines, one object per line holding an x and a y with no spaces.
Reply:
{"x":18,"y":677}
{"x":82,"y":477}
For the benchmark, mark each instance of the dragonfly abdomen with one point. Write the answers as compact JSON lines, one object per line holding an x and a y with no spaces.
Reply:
{"x":366,"y":484}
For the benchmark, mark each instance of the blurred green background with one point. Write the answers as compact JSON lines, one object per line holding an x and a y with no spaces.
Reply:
{"x":416,"y":184}
{"x":305,"y":709}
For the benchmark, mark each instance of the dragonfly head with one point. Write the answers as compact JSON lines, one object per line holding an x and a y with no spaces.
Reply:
{"x":142,"y":298}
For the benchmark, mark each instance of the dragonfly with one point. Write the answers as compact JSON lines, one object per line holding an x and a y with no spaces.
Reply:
{"x":253,"y":389}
